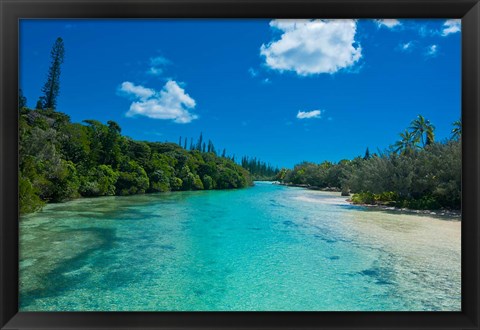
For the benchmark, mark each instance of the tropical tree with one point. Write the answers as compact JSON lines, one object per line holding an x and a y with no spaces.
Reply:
{"x":430,"y":133}
{"x":199,"y":142}
{"x":22,"y":100}
{"x":367,"y":154}
{"x":457,"y":130}
{"x":423,"y":130}
{"x":39,"y":105}
{"x":407,"y":144}
{"x":52,"y":85}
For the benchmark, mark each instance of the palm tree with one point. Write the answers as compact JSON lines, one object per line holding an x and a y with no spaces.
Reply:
{"x":421,"y":127}
{"x":430,"y":134}
{"x":407,"y":144}
{"x":457,"y":130}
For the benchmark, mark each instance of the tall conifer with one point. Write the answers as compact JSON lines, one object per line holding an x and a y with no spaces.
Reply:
{"x":52,"y":86}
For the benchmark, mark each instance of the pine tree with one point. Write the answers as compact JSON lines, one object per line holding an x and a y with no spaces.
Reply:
{"x":52,"y":86}
{"x":212,"y":147}
{"x":258,"y":168}
{"x":367,"y":154}
{"x":185,"y":144}
{"x":22,"y":100}
{"x":199,"y":142}
{"x":39,"y":105}
{"x":180,"y":141}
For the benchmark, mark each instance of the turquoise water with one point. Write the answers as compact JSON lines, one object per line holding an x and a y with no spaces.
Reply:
{"x":263,"y":248}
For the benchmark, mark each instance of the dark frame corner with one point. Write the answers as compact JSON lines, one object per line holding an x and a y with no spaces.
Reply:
{"x":13,"y":10}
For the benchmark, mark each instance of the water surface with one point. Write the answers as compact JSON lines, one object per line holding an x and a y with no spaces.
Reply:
{"x":263,"y":248}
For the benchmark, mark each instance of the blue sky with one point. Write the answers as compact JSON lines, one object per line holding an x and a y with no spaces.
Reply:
{"x":284,"y":91}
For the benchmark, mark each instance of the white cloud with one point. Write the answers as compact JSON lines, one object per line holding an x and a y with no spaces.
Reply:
{"x":157,"y":64}
{"x":424,"y":31}
{"x":137,"y":91}
{"x":432,"y":50}
{"x":253,"y":72}
{"x":155,"y":71}
{"x":309,"y":114}
{"x":312,"y":46}
{"x":451,"y":26}
{"x":388,"y":23}
{"x":406,"y":47}
{"x":159,"y":60}
{"x":171,"y":103}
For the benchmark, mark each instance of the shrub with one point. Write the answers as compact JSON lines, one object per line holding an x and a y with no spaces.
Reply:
{"x":363,"y":198}
{"x":28,"y":196}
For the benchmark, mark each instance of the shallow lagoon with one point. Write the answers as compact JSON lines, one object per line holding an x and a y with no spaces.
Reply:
{"x":267,"y":247}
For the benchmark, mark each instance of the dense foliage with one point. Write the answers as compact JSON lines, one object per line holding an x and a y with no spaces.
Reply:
{"x":259,"y":170}
{"x":60,"y":160}
{"x":416,"y":172}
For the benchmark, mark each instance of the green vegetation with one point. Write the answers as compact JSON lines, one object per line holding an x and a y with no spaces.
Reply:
{"x":260,"y":171}
{"x":52,"y":86}
{"x":60,"y":160}
{"x":416,"y":172}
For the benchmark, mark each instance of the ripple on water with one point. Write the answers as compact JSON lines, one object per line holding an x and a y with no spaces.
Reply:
{"x":268,"y":247}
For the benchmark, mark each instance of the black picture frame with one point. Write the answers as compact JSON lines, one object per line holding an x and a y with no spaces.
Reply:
{"x":13,"y":10}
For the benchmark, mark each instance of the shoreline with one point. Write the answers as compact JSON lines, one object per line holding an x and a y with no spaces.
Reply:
{"x":84,"y":198}
{"x":306,"y":186}
{"x":379,"y":207}
{"x":442,"y":213}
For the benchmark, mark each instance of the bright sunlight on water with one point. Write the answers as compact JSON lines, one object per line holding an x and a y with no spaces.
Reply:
{"x":264,"y":248}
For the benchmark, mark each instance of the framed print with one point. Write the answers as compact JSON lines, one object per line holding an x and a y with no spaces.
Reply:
{"x":235,"y":164}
